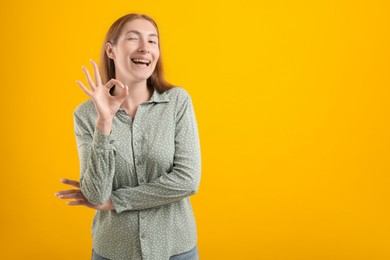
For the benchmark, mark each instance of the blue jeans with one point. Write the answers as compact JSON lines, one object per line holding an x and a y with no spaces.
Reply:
{"x":189,"y":255}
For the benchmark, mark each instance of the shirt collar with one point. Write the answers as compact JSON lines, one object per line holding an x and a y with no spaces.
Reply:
{"x":158,"y":97}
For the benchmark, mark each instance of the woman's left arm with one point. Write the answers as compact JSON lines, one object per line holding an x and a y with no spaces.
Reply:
{"x":182,"y":181}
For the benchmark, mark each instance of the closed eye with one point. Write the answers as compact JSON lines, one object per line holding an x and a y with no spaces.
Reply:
{"x":154,"y":42}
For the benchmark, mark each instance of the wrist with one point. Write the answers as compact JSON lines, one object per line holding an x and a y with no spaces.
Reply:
{"x":104,"y":125}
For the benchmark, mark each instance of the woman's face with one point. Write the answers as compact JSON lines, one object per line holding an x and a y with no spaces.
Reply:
{"x":136,"y":52}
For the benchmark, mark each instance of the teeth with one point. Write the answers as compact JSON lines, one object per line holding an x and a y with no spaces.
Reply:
{"x":143,"y":61}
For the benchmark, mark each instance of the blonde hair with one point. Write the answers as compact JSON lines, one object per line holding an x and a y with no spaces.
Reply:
{"x":107,"y":66}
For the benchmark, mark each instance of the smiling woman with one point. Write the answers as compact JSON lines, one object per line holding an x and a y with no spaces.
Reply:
{"x":139,"y":151}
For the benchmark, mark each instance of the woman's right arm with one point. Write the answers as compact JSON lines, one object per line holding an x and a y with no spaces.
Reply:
{"x":95,"y":150}
{"x":97,"y":163}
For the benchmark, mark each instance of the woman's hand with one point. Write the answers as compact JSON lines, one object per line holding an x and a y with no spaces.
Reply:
{"x":79,"y":199}
{"x":105,"y":104}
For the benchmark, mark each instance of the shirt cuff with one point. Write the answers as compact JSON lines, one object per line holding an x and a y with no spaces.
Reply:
{"x":117,"y":207}
{"x":101,"y":141}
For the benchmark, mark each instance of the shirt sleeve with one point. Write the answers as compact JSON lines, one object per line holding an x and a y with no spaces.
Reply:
{"x":97,"y":162}
{"x":181,"y":182}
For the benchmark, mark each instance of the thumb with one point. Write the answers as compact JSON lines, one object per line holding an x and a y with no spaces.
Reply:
{"x":125,"y":92}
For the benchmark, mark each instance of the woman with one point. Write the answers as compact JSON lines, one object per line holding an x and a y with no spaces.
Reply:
{"x":139,"y":151}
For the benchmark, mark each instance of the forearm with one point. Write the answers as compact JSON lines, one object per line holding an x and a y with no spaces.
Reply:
{"x":96,"y":180}
{"x":97,"y":164}
{"x":104,"y":125}
{"x":168,"y":188}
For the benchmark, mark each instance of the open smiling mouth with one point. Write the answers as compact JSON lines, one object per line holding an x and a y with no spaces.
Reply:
{"x":141,"y":61}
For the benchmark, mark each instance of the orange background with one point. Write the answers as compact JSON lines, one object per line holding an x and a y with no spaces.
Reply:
{"x":292,"y":103}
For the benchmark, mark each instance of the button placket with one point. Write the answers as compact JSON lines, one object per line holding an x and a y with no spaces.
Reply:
{"x":139,"y":163}
{"x":144,"y":242}
{"x":137,"y":146}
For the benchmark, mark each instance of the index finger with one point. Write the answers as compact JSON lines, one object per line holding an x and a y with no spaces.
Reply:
{"x":71,"y":182}
{"x":115,"y":82}
{"x":96,"y":72}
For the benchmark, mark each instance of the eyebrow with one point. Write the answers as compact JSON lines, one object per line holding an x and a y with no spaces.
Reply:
{"x":137,"y":32}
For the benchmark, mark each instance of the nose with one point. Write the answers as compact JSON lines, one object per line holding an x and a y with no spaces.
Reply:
{"x":143,"y":48}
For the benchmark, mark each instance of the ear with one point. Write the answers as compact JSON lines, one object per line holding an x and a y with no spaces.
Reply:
{"x":110,"y":51}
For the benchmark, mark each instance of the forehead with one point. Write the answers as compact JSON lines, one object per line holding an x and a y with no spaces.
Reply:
{"x":141,"y":25}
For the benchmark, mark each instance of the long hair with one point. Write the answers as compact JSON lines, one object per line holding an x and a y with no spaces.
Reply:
{"x":107,"y":66}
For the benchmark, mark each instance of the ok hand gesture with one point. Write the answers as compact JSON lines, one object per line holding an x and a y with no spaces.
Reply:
{"x":105,"y":104}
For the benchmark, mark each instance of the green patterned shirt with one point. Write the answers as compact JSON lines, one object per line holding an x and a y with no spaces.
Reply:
{"x":149,"y":166}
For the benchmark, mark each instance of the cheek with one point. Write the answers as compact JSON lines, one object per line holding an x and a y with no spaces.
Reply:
{"x":156,"y":55}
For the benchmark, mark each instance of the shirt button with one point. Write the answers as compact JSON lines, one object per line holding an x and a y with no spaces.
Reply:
{"x":141,"y":180}
{"x":112,"y":141}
